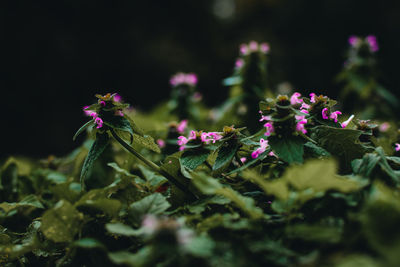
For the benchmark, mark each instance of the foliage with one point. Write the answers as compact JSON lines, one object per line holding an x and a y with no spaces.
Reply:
{"x":297,"y":187}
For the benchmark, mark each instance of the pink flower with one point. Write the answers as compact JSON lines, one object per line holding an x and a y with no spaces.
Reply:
{"x":345,"y":123}
{"x":354,"y":40}
{"x":397,"y":148}
{"x":93,"y":115}
{"x":312,"y":97}
{"x":264,"y":48}
{"x":253,"y":46}
{"x":269,"y":128}
{"x":161,"y":143}
{"x":192,"y":135}
{"x":264,"y":118}
{"x":244,"y":50}
{"x":384,"y":127}
{"x":300,"y":126}
{"x":325,"y":114}
{"x":305,"y":106}
{"x":87,"y":112}
{"x":182,"y":126}
{"x":243,"y":159}
{"x":373,"y":44}
{"x":103,"y":103}
{"x":261,"y":149}
{"x":191,"y":79}
{"x":294,"y":99}
{"x":182,"y":140}
{"x":211,"y":136}
{"x":99,"y":122}
{"x":117,"y":98}
{"x":334,"y":115}
{"x":239,"y":63}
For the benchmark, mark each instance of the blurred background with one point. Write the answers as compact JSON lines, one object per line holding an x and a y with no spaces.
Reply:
{"x":58,"y":54}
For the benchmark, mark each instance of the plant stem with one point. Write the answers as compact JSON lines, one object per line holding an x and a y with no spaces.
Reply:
{"x":153,"y":166}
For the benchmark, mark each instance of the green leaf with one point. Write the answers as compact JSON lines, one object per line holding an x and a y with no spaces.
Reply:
{"x":211,"y":186}
{"x":61,"y":223}
{"x":225,"y":154}
{"x":153,"y":204}
{"x":146,"y":141}
{"x":289,"y":149}
{"x":96,"y":200}
{"x":191,"y":159}
{"x":122,"y":229}
{"x":88,"y":243}
{"x":119,"y":123}
{"x":95,"y":151}
{"x":342,"y":143}
{"x":28,"y":201}
{"x":86,"y":125}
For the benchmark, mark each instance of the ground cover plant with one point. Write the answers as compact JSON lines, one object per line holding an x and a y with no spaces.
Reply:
{"x":265,"y":179}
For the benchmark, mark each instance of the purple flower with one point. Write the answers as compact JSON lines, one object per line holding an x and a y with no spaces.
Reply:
{"x":192,"y":135}
{"x":183,"y":78}
{"x":182,"y":126}
{"x":117,"y":98}
{"x":372,"y":42}
{"x":261,"y":149}
{"x":244,"y":50}
{"x":182,"y":141}
{"x":397,"y":148}
{"x":99,"y":122}
{"x":384,"y":127}
{"x":325,"y":114}
{"x":354,"y":41}
{"x":264,"y":48}
{"x":253,"y":46}
{"x":239,"y":63}
{"x":312,"y":97}
{"x":161,"y":143}
{"x":103,"y":103}
{"x":345,"y":123}
{"x":334,"y":115}
{"x":294,"y":99}
{"x":269,"y":128}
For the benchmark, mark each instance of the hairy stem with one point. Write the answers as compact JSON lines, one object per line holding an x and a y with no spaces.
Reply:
{"x":152,"y":165}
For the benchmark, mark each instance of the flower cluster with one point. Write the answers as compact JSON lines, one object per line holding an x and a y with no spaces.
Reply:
{"x":183,"y":78}
{"x":253,"y":46}
{"x":202,"y":137}
{"x":370,"y":40}
{"x":103,"y":101}
{"x":263,"y":146}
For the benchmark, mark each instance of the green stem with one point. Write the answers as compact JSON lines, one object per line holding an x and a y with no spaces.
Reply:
{"x":307,"y":138}
{"x":152,"y":165}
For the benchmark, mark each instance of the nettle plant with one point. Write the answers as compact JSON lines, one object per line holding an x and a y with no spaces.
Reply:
{"x":362,"y":90}
{"x":294,"y":183}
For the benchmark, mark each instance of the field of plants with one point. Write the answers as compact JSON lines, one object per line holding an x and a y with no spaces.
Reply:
{"x":270,"y":177}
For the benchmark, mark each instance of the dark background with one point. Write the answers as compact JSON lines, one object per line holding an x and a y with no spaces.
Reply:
{"x":58,"y":54}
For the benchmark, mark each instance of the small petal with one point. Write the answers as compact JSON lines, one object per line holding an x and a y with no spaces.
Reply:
{"x":325,"y":114}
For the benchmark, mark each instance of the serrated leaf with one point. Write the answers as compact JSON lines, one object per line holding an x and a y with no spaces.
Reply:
{"x":146,"y":141}
{"x":225,"y":154}
{"x":342,"y":143}
{"x":96,"y":200}
{"x":95,"y":151}
{"x":289,"y":149}
{"x":191,"y":159}
{"x":119,"y":123}
{"x":61,"y":223}
{"x":211,"y":186}
{"x":153,"y":204}
{"x":86,"y":125}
